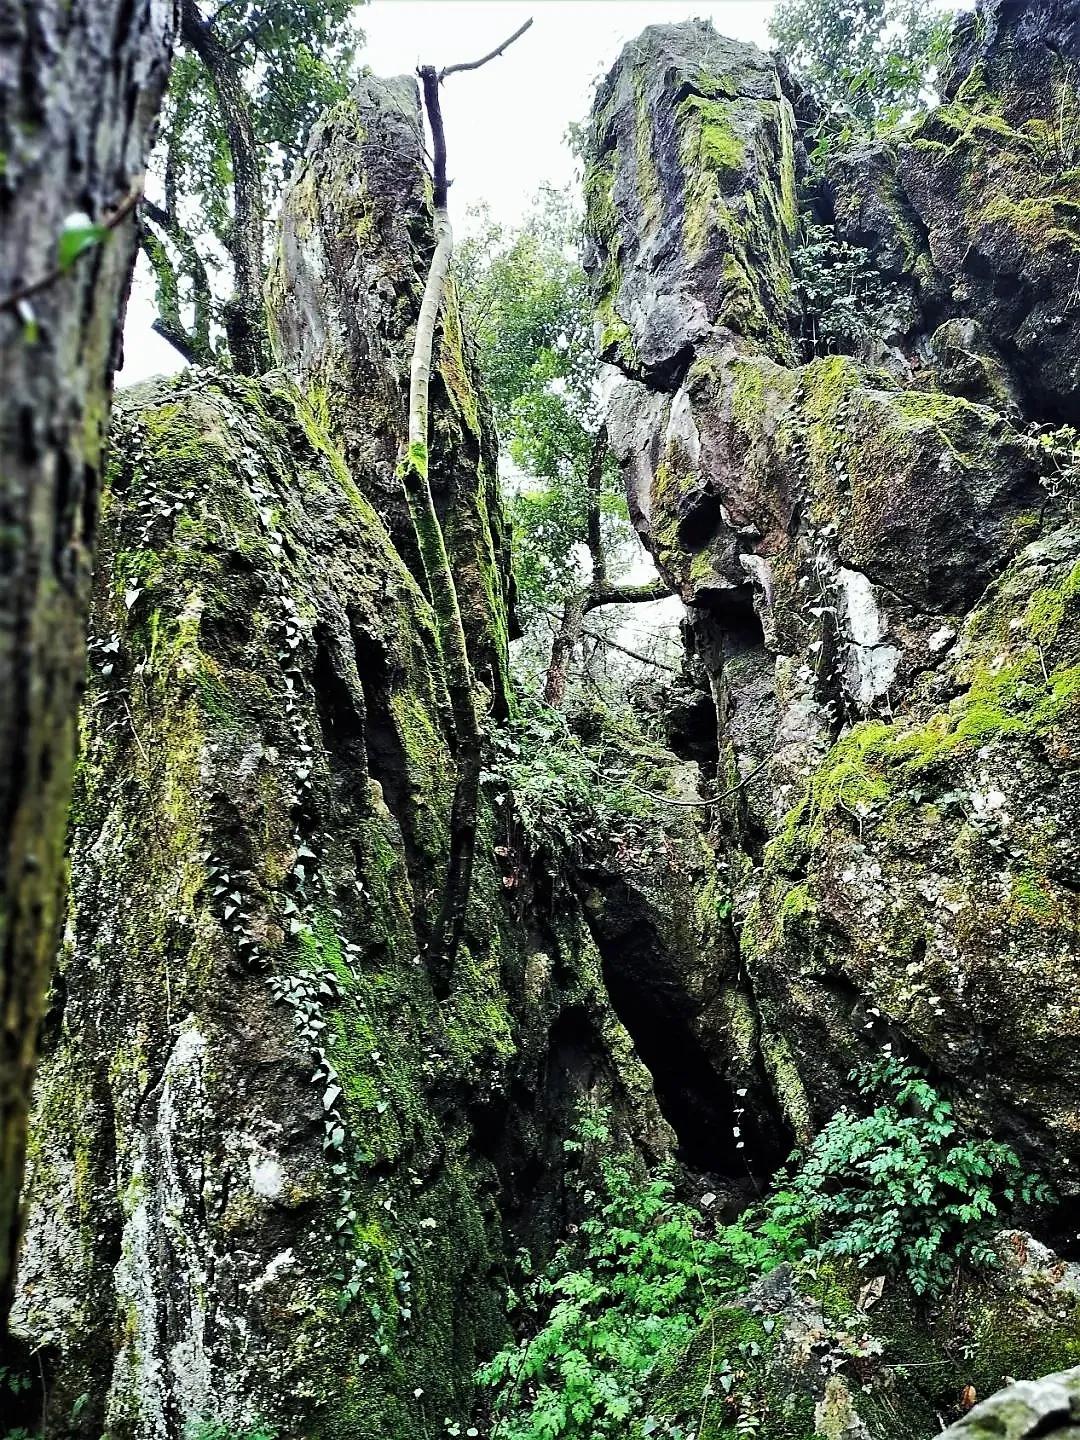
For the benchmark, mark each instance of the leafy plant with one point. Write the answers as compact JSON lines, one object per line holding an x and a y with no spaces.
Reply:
{"x":621,"y":1296}
{"x":899,"y":1188}
{"x":869,"y":62}
{"x":1058,"y":453}
{"x":846,"y":303}
{"x":15,"y":1383}
{"x":567,"y":790}
{"x":219,"y":1430}
{"x":902,"y":1187}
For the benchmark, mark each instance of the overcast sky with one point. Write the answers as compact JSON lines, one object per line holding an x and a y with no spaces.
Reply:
{"x":505,"y":124}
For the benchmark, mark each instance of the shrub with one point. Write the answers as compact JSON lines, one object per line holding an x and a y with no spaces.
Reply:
{"x":621,"y":1298}
{"x":898,"y":1188}
{"x":219,"y":1430}
{"x":901,"y":1187}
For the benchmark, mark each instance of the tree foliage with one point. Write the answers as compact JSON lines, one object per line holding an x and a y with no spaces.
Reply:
{"x":281,"y":62}
{"x":525,"y":298}
{"x":869,"y":62}
{"x":901,"y":1188}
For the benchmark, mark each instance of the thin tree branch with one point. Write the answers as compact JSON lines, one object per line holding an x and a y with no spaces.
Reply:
{"x":494,"y":54}
{"x":551,"y":617}
{"x":194,"y":345}
{"x":710,"y":799}
{"x":633,"y":654}
{"x":111,"y":221}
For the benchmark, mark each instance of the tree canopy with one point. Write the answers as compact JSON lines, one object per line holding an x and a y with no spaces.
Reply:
{"x":248,"y":83}
{"x":868,"y":61}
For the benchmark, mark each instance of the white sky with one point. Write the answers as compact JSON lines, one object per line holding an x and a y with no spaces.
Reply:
{"x":505,"y":123}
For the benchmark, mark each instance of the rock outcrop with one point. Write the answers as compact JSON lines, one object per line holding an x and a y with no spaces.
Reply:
{"x":881,"y":588}
{"x":274,"y":1177}
{"x":827,"y":1351}
{"x":1047,"y":1407}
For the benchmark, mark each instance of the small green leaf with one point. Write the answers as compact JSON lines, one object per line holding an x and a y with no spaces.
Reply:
{"x":78,"y":234}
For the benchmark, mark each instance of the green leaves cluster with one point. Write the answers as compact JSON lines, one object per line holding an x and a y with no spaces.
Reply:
{"x":847,"y":304}
{"x":525,"y":300}
{"x":295,"y":56}
{"x":218,"y":1430}
{"x":566,"y":790}
{"x":1057,"y":450}
{"x":625,"y":1294}
{"x":899,"y":1189}
{"x":868,"y":62}
{"x":292,"y":59}
{"x":902,"y":1189}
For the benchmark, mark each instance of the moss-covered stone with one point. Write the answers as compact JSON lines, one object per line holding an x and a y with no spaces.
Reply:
{"x":691,"y":167}
{"x":275,"y":1133}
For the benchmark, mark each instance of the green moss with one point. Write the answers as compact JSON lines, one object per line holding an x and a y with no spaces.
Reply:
{"x":648,"y":180}
{"x":786,"y":1082}
{"x":689,"y":1394}
{"x":452,"y":364}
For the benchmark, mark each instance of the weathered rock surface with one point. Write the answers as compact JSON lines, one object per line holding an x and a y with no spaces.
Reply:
{"x":878,"y":589}
{"x":1047,"y":1407}
{"x":828,"y":1352}
{"x":691,"y":197}
{"x":274,"y":1177}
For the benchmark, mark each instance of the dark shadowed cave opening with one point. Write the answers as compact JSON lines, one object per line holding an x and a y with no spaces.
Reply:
{"x":651,"y":998}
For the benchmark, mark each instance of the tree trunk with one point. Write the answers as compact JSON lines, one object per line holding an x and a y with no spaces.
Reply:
{"x":594,"y":482}
{"x":81,"y":82}
{"x":567,"y":638}
{"x":245,"y":318}
{"x":443,"y":591}
{"x":194,"y":344}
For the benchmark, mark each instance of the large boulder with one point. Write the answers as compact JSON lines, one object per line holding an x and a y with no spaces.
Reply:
{"x":691,"y":194}
{"x":274,"y":1176}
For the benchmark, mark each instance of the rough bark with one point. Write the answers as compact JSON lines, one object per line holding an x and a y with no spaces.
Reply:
{"x":194,"y":344}
{"x":567,"y":638}
{"x":245,"y":318}
{"x":80,"y":86}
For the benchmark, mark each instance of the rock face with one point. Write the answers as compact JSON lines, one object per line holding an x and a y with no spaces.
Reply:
{"x":273,"y":1177}
{"x":825,"y":1352}
{"x":1050,"y":1407}
{"x":883,"y":596}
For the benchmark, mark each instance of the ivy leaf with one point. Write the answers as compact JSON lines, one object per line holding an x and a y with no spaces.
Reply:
{"x":77,"y":235}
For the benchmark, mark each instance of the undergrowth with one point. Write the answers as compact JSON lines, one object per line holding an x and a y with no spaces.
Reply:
{"x":575,"y":785}
{"x":895,"y":1186}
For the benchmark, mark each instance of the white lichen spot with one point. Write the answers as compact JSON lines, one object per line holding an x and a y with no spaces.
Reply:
{"x":266,"y":1176}
{"x":870,"y":664}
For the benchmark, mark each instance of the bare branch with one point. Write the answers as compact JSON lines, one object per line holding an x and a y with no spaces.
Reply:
{"x":475,"y":64}
{"x":709,"y":799}
{"x":628,"y":594}
{"x":633,"y":654}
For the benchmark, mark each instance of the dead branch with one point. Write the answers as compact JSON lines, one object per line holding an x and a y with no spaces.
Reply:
{"x":492,"y":55}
